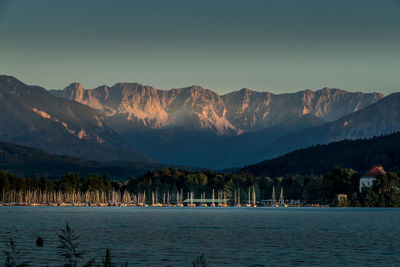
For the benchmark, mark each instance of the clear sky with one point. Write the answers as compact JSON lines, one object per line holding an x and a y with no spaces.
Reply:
{"x":224,"y":45}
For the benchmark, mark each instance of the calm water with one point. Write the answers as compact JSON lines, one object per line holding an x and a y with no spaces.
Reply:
{"x":227,"y":236}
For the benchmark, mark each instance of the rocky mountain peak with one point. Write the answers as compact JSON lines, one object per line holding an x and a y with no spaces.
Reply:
{"x":74,"y":91}
{"x":331,"y":91}
{"x":33,"y":116}
{"x":196,"y":107}
{"x":9,"y":79}
{"x":8,"y":84}
{"x":128,"y":87}
{"x":192,"y":91}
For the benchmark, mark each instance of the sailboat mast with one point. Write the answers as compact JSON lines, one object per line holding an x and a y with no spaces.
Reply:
{"x":254,"y":196}
{"x":273,"y":194}
{"x":249,"y":195}
{"x":181,"y":196}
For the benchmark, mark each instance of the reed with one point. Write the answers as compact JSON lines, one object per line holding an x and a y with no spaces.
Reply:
{"x":200,"y":261}
{"x":12,"y":255}
{"x":68,"y":248}
{"x":71,"y":256}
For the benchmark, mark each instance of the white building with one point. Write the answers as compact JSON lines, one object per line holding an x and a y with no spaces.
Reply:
{"x":368,"y":179}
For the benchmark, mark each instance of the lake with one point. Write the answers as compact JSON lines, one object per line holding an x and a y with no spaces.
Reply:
{"x":227,"y":236}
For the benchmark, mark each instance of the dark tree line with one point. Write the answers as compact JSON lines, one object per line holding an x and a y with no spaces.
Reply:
{"x":358,"y":154}
{"x":322,"y":189}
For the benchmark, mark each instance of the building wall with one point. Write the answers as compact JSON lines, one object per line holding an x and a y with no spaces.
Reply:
{"x":366,"y":182}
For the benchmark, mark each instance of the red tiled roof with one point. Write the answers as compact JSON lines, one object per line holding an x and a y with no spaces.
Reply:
{"x":375,"y":171}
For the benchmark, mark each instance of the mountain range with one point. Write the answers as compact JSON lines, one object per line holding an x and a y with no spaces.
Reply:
{"x":198,"y":127}
{"x":380,"y":118}
{"x":186,"y":126}
{"x":202,"y":109}
{"x":31,"y":116}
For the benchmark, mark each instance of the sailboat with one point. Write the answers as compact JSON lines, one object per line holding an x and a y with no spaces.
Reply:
{"x":237,"y":198}
{"x":249,"y":202}
{"x":213,"y":199}
{"x":281,"y":202}
{"x":273,"y":197}
{"x":191,"y":200}
{"x":203,"y":199}
{"x":254,"y":197}
{"x":239,"y":205}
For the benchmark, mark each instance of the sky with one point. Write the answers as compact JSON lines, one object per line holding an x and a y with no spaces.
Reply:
{"x":224,"y":45}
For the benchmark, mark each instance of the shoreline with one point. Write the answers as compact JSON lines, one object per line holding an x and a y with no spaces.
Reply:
{"x":155,"y":205}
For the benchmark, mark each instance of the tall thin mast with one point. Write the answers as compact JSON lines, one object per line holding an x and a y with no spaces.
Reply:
{"x":249,"y":196}
{"x":273,"y":194}
{"x":254,"y":196}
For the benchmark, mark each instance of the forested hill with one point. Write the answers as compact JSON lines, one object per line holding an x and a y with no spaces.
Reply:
{"x":31,"y":162}
{"x":359,"y":155}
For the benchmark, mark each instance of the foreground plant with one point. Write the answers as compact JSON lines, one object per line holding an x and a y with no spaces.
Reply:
{"x":68,"y":248}
{"x":200,"y":261}
{"x":107,"y":261}
{"x":12,"y":255}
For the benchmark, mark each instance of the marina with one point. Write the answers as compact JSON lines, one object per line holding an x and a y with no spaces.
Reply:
{"x":126,"y":199}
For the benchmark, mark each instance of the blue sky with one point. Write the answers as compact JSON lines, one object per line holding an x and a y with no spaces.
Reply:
{"x":225,"y":45}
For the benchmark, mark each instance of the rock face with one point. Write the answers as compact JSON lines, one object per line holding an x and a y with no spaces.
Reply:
{"x":30,"y":115}
{"x":202,"y":109}
{"x":187,"y":126}
{"x":198,"y":127}
{"x":252,"y":111}
{"x":147,"y":107}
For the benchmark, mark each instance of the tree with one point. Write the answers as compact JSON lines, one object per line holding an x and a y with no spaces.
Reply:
{"x":228,"y":189}
{"x":339,"y":181}
{"x":312,"y":190}
{"x":385,"y":191}
{"x":70,"y":182}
